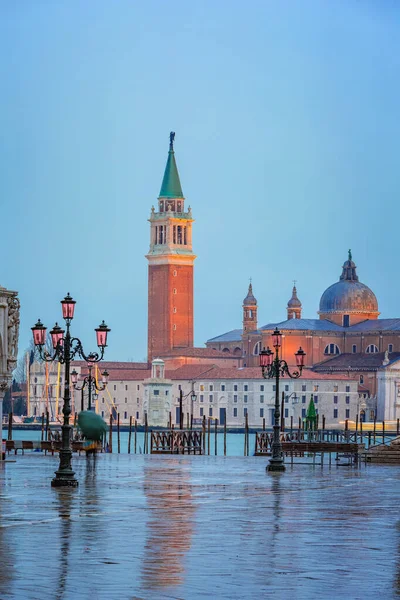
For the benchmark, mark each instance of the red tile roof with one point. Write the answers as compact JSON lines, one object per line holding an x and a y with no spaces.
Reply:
{"x":197,"y":353}
{"x":215,"y":372}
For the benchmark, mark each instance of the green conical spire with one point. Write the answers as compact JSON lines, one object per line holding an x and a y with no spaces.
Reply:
{"x":171,"y":185}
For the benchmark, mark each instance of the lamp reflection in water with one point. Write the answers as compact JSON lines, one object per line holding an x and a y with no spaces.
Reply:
{"x":171,"y":507}
{"x":65,"y":499}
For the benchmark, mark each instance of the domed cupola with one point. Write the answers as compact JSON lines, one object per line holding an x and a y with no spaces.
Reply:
{"x":294,"y":305}
{"x":348,"y":301}
{"x":249,"y":311}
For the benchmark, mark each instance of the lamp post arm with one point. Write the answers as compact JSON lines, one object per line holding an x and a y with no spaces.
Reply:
{"x":77,"y":348}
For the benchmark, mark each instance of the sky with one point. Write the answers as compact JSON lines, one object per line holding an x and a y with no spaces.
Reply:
{"x":287,"y":142}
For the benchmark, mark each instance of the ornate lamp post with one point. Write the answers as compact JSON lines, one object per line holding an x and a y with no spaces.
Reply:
{"x":273,"y":366}
{"x":89,"y":382}
{"x":65,"y":349}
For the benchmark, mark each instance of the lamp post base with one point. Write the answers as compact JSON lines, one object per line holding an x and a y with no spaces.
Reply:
{"x":64,"y":479}
{"x":276,"y":466}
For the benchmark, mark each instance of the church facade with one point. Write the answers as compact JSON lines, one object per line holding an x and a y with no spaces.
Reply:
{"x":348,"y":337}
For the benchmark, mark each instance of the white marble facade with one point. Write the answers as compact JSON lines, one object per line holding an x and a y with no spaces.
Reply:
{"x":9,"y":331}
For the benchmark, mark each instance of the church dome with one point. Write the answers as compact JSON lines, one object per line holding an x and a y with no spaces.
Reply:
{"x":349,"y":295}
{"x":294,"y":302}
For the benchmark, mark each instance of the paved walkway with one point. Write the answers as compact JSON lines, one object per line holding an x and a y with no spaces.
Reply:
{"x":197,"y":527}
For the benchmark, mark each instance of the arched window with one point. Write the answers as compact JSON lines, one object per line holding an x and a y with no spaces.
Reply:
{"x":257,"y":348}
{"x":237,"y":352}
{"x":332,"y":349}
{"x":371,"y":349}
{"x":225,"y":350}
{"x":361,"y":379}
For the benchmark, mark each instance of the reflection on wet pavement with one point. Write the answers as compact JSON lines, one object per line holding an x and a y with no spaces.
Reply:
{"x":197,"y":527}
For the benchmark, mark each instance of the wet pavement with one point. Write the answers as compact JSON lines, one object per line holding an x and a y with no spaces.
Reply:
{"x":168,"y":527}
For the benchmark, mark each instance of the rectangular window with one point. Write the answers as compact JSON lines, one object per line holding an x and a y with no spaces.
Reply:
{"x":166,"y":392}
{"x":303,"y":412}
{"x":390,"y":348}
{"x":156,"y":392}
{"x":138,"y":387}
{"x":210,"y":411}
{"x":335,"y":413}
{"x":115,"y":387}
{"x":315,"y":399}
{"x":347,"y":388}
{"x":347,"y":399}
{"x":354,"y":348}
{"x":235,"y":398}
{"x":286,"y":413}
{"x":126,"y":400}
{"x":137,"y":400}
{"x":261,"y":412}
{"x":303,"y":388}
{"x":303,"y":399}
{"x":335,"y":388}
{"x":347,"y":413}
{"x":201,"y":398}
{"x":315,"y":388}
{"x":125,"y":415}
{"x":286,"y":398}
{"x":335,"y":399}
{"x":201,"y":388}
{"x":261,"y":388}
{"x":179,"y":387}
{"x":211,"y":397}
{"x":102,"y":400}
{"x":126,"y":387}
{"x":201,"y":411}
{"x":262,"y":398}
{"x":274,"y":388}
{"x":245,"y":398}
{"x":235,"y":412}
{"x":235,"y":388}
{"x":245,"y":387}
{"x":102,"y":413}
{"x":222,"y":387}
{"x":137,"y":415}
{"x":346,"y":320}
{"x":245,"y":411}
{"x":286,"y":388}
{"x":211,"y":387}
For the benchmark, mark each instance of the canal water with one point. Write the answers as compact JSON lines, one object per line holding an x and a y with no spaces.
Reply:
{"x":184,"y":527}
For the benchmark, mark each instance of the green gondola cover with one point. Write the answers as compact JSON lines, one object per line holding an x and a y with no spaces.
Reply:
{"x":92,"y":426}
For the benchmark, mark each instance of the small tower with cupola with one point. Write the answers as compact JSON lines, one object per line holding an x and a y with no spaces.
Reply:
{"x":294,"y":305}
{"x":249,"y":311}
{"x":171,"y":260}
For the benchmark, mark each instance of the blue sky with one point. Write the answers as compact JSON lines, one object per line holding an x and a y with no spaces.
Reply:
{"x":287,"y":141}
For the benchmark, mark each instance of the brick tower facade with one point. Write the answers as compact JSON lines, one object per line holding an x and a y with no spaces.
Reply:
{"x":171,"y":259}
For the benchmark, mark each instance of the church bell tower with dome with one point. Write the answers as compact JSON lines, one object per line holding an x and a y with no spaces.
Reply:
{"x":171,"y":260}
{"x":348,"y":301}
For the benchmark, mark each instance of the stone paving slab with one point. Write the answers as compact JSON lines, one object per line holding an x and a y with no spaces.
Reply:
{"x":172,"y":527}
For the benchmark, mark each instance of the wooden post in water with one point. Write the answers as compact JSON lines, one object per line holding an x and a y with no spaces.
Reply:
{"x":346,"y":429}
{"x":247,"y":434}
{"x":374,"y":428}
{"x":10,"y":420}
{"x":42,"y":438}
{"x":191,"y":422}
{"x":118,"y":436}
{"x":369,"y":439}
{"x":356,"y":434}
{"x":291,"y":426}
{"x":225,"y":436}
{"x":110,"y":433}
{"x":187,"y":420}
{"x":215,"y":435}
{"x":135,"y":438}
{"x":146,"y":434}
{"x":282,"y":413}
{"x":204,"y":433}
{"x":130,"y":434}
{"x":398,"y":427}
{"x":323,"y":425}
{"x":361,"y":431}
{"x":208,"y":436}
{"x":47,"y":424}
{"x":263,"y":423}
{"x":383,"y":432}
{"x":170,"y":420}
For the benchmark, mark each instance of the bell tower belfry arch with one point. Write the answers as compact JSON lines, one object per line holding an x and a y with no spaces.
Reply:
{"x":170,"y":261}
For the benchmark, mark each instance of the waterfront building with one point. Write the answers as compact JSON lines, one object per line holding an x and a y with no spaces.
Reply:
{"x":388,"y":394}
{"x":227,"y":394}
{"x":348,"y":336}
{"x":9,"y":330}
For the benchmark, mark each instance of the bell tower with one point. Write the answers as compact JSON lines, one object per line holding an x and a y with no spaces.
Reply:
{"x":249,"y":311}
{"x":170,"y":260}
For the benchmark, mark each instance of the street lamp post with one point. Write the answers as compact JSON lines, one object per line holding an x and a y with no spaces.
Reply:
{"x":89,"y":382}
{"x":274,"y":367}
{"x":65,"y":349}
